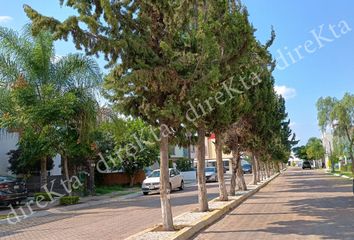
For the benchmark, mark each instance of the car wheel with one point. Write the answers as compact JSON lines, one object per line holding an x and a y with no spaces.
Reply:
{"x":145,"y":193}
{"x":182,"y":186}
{"x":216,"y":179}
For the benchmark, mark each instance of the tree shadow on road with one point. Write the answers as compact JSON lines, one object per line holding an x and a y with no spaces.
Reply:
{"x":334,"y":218}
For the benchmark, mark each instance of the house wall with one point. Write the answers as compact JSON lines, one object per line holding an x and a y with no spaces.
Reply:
{"x":120,"y":178}
{"x":210,"y":149}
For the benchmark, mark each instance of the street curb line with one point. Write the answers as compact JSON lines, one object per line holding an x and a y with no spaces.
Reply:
{"x":185,"y":232}
{"x":339,"y":175}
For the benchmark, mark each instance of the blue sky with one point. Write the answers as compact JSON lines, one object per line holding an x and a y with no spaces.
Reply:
{"x":316,"y":71}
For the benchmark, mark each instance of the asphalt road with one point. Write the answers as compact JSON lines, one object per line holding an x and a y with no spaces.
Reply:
{"x":297,"y":205}
{"x":116,"y":220}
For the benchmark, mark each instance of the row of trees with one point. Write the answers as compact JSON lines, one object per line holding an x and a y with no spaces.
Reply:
{"x":186,"y":67}
{"x":336,"y":116}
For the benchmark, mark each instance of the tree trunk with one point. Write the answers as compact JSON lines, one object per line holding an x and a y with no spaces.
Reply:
{"x":240,"y":178}
{"x":258,"y":165}
{"x":132,"y":179}
{"x":352,"y":157}
{"x":254,"y":169}
{"x":44,"y":174}
{"x":267,"y":169}
{"x":165,"y":182}
{"x":66,"y":173}
{"x":220,"y":167}
{"x":261,"y":170}
{"x":202,"y":190}
{"x":234,"y":171}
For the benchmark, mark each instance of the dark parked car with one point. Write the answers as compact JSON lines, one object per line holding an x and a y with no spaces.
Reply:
{"x":247,"y":168}
{"x":12,"y":190}
{"x":306,"y":164}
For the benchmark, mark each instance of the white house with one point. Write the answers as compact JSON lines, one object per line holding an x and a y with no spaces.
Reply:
{"x":8,"y":142}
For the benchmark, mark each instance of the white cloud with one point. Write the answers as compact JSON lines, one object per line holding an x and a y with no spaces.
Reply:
{"x":285,"y":91}
{"x":4,"y":19}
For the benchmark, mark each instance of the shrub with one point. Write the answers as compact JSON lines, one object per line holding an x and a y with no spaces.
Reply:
{"x":69,"y":200}
{"x":183,"y":165}
{"x":43,"y":196}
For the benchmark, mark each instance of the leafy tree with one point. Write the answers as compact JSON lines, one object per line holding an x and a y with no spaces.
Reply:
{"x":148,"y":38}
{"x":301,"y":152}
{"x":136,"y":146}
{"x":338,"y":116}
{"x":315,"y":149}
{"x":39,"y":90}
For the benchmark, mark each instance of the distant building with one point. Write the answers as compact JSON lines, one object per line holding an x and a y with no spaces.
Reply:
{"x":210,"y":155}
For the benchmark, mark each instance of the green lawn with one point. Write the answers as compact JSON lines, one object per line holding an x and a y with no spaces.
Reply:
{"x":349,"y":174}
{"x":118,"y":190}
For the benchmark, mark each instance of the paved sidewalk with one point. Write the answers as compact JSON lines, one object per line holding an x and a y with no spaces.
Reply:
{"x":297,"y":205}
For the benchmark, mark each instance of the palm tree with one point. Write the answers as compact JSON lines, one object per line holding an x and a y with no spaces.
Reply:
{"x":30,"y":61}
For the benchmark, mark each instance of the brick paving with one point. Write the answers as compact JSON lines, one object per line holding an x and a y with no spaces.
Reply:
{"x":297,"y":205}
{"x":116,"y":220}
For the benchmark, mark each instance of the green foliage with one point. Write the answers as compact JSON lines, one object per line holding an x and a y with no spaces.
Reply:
{"x":183,"y":164}
{"x":69,"y":200}
{"x":109,"y":189}
{"x":338,"y":116}
{"x":135,"y":145}
{"x":43,"y":196}
{"x":315,"y":149}
{"x":301,"y":153}
{"x":48,"y":100}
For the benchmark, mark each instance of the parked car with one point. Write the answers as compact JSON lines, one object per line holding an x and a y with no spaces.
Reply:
{"x":306,"y":164}
{"x":12,"y":191}
{"x":211,"y":174}
{"x":247,"y":168}
{"x":152,"y":182}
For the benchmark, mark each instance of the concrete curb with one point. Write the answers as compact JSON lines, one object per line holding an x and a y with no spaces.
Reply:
{"x":186,"y":231}
{"x":339,"y":175}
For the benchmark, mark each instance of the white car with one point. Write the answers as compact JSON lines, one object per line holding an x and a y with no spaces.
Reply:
{"x":211,"y":174}
{"x":152,"y":182}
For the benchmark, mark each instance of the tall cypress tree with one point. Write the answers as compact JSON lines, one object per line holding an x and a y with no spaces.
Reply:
{"x":143,"y":44}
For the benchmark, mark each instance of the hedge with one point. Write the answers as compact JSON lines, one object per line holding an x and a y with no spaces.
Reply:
{"x":69,"y":200}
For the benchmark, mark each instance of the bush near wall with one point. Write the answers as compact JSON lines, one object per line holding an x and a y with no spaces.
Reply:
{"x":69,"y":200}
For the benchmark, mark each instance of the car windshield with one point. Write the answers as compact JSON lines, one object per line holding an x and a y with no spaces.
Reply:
{"x":209,"y":169}
{"x":155,"y":174}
